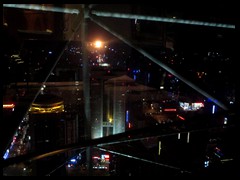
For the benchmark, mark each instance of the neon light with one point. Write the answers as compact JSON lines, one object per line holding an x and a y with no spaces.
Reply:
{"x":6,"y":154}
{"x":199,"y":103}
{"x":180,"y":117}
{"x":96,"y":157}
{"x":8,"y":106}
{"x":170,"y":110}
{"x":73,"y":160}
{"x":213,"y":109}
{"x":127,"y":116}
{"x":134,"y":77}
{"x":53,"y":109}
{"x":105,"y":156}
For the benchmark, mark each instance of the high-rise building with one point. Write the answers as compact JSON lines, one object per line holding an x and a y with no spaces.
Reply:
{"x":112,"y":105}
{"x":50,"y":128}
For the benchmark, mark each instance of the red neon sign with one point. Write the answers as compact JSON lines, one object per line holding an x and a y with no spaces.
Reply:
{"x":170,"y":110}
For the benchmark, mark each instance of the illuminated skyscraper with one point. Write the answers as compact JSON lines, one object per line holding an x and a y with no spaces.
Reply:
{"x":112,"y":106}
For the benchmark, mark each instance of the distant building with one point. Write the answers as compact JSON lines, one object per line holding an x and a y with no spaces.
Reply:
{"x":112,"y":106}
{"x":47,"y":124}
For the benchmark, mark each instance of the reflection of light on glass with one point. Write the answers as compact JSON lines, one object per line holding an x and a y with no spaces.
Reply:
{"x":42,"y":8}
{"x":162,"y":19}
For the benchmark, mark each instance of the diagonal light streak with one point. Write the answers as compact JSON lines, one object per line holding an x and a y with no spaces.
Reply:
{"x":42,"y":8}
{"x":119,"y":15}
{"x":158,"y":62}
{"x":161,"y":19}
{"x":144,"y":160}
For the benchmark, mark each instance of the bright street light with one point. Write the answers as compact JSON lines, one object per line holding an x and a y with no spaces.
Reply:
{"x":98,"y":44}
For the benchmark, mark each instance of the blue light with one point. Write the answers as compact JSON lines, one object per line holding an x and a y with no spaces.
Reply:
{"x":213,"y":109}
{"x":127,"y":116}
{"x":134,"y":77}
{"x":73,"y":160}
{"x":206,"y":164}
{"x":6,"y":154}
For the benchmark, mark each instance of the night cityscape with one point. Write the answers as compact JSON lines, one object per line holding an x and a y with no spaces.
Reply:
{"x":120,"y":90}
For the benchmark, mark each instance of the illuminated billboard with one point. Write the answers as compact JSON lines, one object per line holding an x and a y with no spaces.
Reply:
{"x":191,"y":106}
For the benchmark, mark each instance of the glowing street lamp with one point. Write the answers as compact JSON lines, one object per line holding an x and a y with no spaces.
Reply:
{"x":98,"y":44}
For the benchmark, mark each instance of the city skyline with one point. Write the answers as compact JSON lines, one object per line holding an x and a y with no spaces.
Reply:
{"x":159,"y":70}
